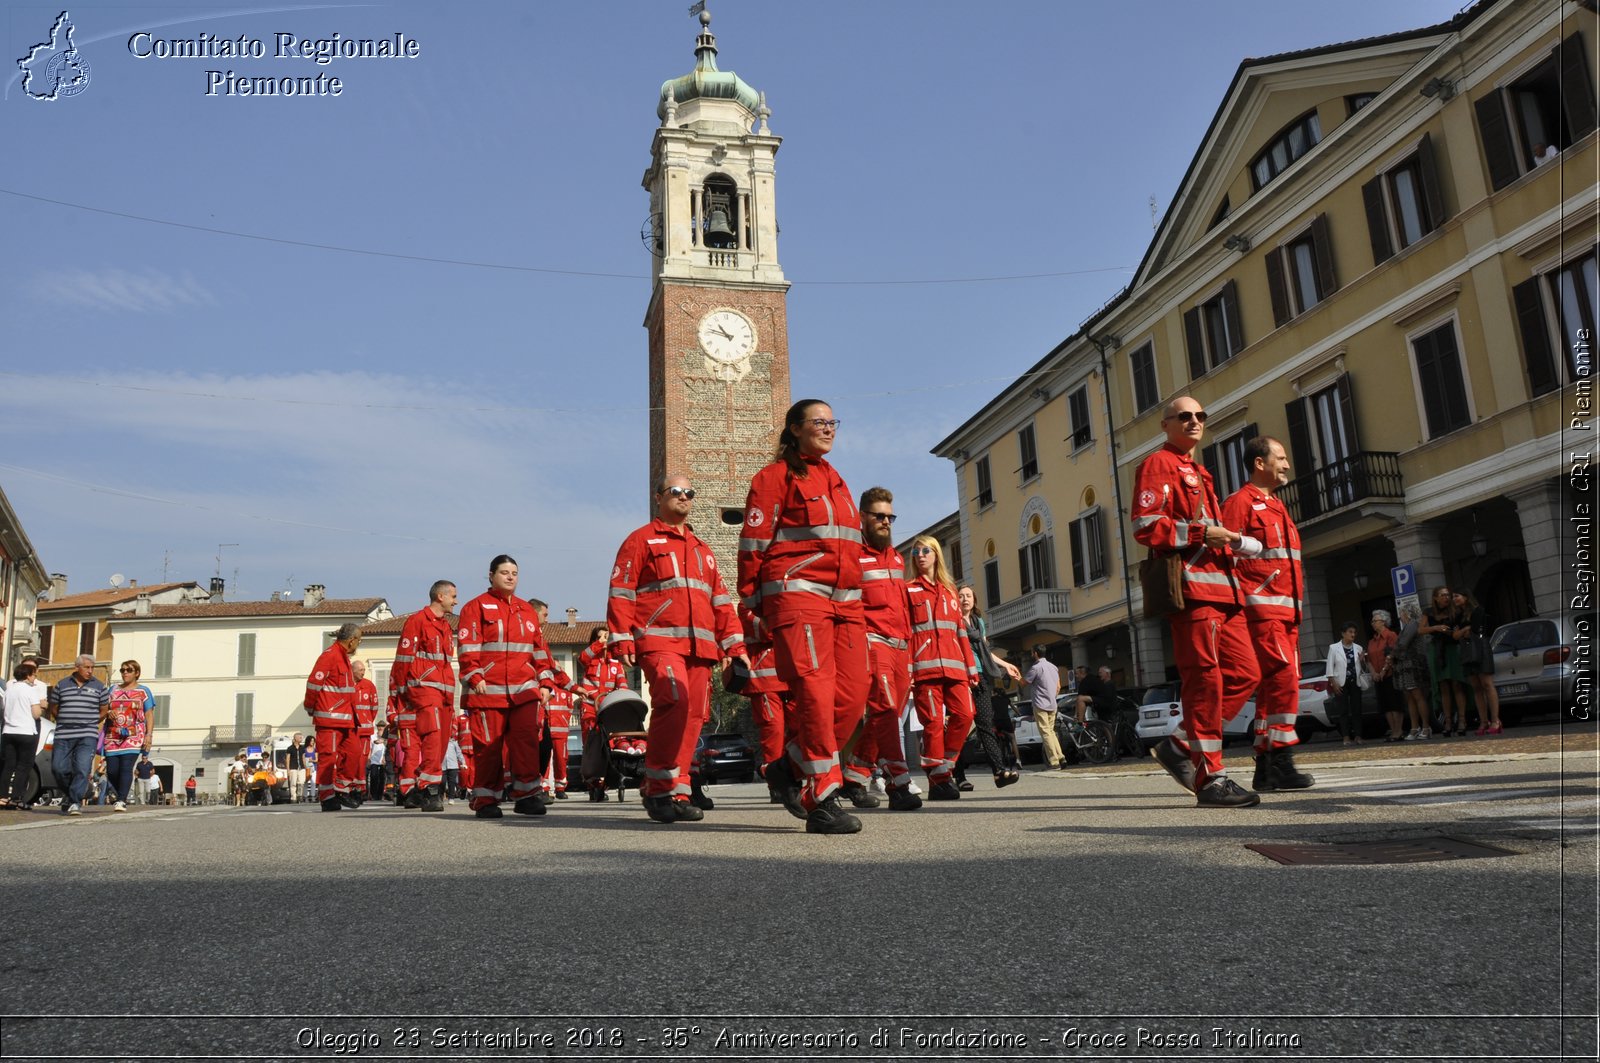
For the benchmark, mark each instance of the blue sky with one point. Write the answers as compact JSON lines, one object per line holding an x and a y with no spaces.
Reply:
{"x":373,"y":421}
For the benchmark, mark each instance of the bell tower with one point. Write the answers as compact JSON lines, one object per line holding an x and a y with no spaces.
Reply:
{"x":719,"y":340}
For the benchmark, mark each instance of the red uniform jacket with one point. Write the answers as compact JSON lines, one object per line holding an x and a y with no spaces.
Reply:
{"x":366,"y":706}
{"x":602,"y":673}
{"x":502,"y":644}
{"x":939,"y":646}
{"x":463,"y":732}
{"x":799,"y":552}
{"x":1273,"y":584}
{"x":763,"y":666}
{"x":422,"y":674}
{"x":666,"y":594}
{"x":1173,"y":502}
{"x":558,"y":710}
{"x":883,"y":596}
{"x":331,"y":690}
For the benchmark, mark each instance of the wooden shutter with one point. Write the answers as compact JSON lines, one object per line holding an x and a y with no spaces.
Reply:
{"x":1536,"y":352}
{"x":1377,"y":221}
{"x":1048,"y":548}
{"x":161,"y":712}
{"x":1079,"y":546}
{"x":1322,"y":251}
{"x":1495,"y":132}
{"x":247,"y":654}
{"x":1276,"y":288}
{"x":1432,"y":191}
{"x":1577,"y":91}
{"x":163,"y":656}
{"x":1022,"y":570}
{"x":1194,"y":339}
{"x":1209,"y":456}
{"x":1347,"y":412}
{"x":1230,"y":314}
{"x":1300,"y":457}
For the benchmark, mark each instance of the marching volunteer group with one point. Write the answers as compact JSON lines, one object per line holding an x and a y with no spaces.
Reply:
{"x":831,"y":635}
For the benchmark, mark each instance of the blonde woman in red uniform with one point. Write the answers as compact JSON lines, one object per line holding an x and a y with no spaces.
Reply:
{"x":943,"y":671}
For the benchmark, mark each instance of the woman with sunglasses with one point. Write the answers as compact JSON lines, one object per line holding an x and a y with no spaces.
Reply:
{"x":800,"y":580}
{"x":125,"y":732}
{"x":993,"y":666}
{"x":943,"y":670}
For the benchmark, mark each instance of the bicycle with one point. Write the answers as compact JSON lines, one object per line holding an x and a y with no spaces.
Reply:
{"x":1124,"y":739}
{"x":1093,"y":739}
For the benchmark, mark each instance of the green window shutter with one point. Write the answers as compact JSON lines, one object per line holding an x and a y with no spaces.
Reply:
{"x":163,"y":656}
{"x":247,"y":654}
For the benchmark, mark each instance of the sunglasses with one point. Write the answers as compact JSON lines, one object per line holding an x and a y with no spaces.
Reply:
{"x":887,"y":518}
{"x":1198,"y":416}
{"x":125,"y":671}
{"x":681,"y":492}
{"x":826,"y":424}
{"x":917,"y":551}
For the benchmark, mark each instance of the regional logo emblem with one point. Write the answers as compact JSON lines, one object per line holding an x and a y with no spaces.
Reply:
{"x":55,"y":69}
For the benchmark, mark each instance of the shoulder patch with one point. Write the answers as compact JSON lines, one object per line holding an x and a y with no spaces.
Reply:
{"x":1147,"y":498}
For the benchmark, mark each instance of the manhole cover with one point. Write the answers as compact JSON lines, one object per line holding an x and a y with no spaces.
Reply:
{"x":1415,"y":851}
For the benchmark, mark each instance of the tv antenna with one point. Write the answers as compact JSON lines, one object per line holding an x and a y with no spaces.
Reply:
{"x":219,"y":557}
{"x":118,"y":579}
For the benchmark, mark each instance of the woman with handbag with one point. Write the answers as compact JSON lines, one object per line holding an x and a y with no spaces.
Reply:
{"x":126,"y":732}
{"x":1411,"y":673}
{"x":992,"y":666}
{"x":1444,"y":660}
{"x":1477,"y":662}
{"x":1381,"y":655}
{"x":1348,"y":675}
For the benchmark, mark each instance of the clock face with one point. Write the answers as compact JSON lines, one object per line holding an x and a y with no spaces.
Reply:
{"x":727,"y":336}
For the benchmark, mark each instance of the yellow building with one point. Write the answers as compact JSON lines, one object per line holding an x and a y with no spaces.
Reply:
{"x":1383,"y":253}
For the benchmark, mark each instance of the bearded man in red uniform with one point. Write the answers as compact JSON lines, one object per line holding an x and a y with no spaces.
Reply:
{"x":1175,"y":510}
{"x":669,"y":609}
{"x":423,"y":691}
{"x":1274,"y":599}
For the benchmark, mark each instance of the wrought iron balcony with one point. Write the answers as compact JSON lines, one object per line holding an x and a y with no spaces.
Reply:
{"x":229,"y":734}
{"x":1361,"y":477}
{"x":1032,"y":608}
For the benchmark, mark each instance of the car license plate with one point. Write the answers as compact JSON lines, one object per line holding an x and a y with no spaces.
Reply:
{"x":1513,"y":688}
{"x":1154,"y":714}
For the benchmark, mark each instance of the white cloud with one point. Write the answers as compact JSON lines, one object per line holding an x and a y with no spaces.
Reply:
{"x":118,"y":289}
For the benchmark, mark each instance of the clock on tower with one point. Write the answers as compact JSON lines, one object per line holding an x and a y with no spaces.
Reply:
{"x":719,"y":347}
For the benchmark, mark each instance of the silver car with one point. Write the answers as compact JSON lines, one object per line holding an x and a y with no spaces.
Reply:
{"x":1538,"y":661}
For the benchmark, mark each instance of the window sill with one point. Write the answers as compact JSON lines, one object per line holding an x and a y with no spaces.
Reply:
{"x":1028,"y":480}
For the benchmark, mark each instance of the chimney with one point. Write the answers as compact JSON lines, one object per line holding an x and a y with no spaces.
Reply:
{"x":141,"y":605}
{"x":572,"y":616}
{"x":218,"y":585}
{"x":133,"y":583}
{"x":276,"y":596}
{"x":314,"y":595}
{"x":58,"y":586}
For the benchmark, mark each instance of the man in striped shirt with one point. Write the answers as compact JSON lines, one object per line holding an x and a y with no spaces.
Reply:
{"x":76,"y":704}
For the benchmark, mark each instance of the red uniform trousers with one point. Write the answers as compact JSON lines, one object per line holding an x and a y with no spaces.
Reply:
{"x":823,"y":661}
{"x":338,"y":760}
{"x":555,"y":777}
{"x":770,"y":713}
{"x":680,"y":701}
{"x":889,"y":681}
{"x":505,"y":741}
{"x":427,"y":766}
{"x":1276,"y":644}
{"x":410,"y":753}
{"x":945,"y":708}
{"x":464,"y":774}
{"x":1218,"y":667}
{"x":353,"y":768}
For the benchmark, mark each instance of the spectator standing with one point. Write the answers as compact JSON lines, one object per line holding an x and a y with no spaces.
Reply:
{"x":76,"y":704}
{"x":1444,"y":660}
{"x":19,"y":739}
{"x":1477,"y":662}
{"x":376,"y":758}
{"x":452,"y":768}
{"x":141,"y":779}
{"x":993,"y":667}
{"x":1043,"y":680}
{"x":1411,"y":673}
{"x":292,"y":760}
{"x":1381,"y":656}
{"x":1348,"y":675}
{"x":190,"y":785}
{"x":155,"y":788}
{"x":126,"y":731}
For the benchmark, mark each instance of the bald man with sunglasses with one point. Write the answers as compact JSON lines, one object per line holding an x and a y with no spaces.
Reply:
{"x":1175,"y":510}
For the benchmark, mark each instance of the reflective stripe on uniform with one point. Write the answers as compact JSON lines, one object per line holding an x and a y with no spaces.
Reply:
{"x":884,"y":640}
{"x":807,"y":587}
{"x":819,"y":531}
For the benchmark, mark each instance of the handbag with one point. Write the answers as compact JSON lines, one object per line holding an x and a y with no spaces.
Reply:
{"x":1161,"y":578}
{"x":1471,"y":651}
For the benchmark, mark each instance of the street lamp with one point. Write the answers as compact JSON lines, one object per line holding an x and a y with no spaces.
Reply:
{"x":1360,"y":578}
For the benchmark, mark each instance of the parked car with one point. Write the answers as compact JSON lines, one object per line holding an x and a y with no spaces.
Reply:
{"x":1161,"y":710}
{"x":718,"y":757}
{"x":1535,"y":664}
{"x":42,"y":776}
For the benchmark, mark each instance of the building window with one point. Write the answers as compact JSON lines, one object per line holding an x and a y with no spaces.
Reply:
{"x":161,"y":712}
{"x":1078,"y":411}
{"x":955,"y":568}
{"x":1088,"y":535}
{"x":1528,"y":122}
{"x":991,"y":583}
{"x":163,"y":657}
{"x":1324,"y":448}
{"x":1299,"y":137}
{"x":1211,"y":331}
{"x":46,"y":633}
{"x":1300,"y":273}
{"x":1029,"y":452}
{"x":247,"y":654}
{"x":1037,"y":561}
{"x":244,"y":711}
{"x":1405,"y":203}
{"x":380,"y":679}
{"x":1357,"y":101}
{"x":1221,"y":215}
{"x":1556,"y":312}
{"x":1441,"y":381}
{"x":985,"y":486}
{"x":86,"y":638}
{"x":1143,"y":364}
{"x":1225,"y":460}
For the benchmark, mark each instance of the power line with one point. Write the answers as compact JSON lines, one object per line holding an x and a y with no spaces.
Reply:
{"x":512,"y":267}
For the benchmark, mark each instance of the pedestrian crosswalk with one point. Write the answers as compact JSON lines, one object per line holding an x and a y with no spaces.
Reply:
{"x":1547,"y":806}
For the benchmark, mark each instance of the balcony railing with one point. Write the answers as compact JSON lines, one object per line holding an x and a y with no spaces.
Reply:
{"x":234,"y":735}
{"x":1032,"y":608}
{"x":1366,"y":475}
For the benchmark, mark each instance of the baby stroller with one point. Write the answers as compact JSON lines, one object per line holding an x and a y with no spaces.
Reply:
{"x":614,"y":750}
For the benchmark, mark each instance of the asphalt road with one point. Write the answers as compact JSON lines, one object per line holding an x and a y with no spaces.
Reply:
{"x":1088,"y":913}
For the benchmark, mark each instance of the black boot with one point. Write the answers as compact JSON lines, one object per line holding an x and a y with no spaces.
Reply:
{"x":332,"y":804}
{"x":781,"y":781}
{"x":901,"y":799}
{"x":1285,"y":776}
{"x":698,"y":798}
{"x":860,"y":796}
{"x":661,"y":809}
{"x":532,"y":805}
{"x":432,"y":799}
{"x":829,"y":818}
{"x":1266,"y":777}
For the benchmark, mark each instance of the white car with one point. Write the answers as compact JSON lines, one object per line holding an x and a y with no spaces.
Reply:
{"x":1161,"y":710}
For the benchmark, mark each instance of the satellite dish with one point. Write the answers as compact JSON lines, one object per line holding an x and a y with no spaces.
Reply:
{"x":118,"y":579}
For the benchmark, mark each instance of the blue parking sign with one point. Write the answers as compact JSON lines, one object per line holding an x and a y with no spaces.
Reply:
{"x":1404,"y":578}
